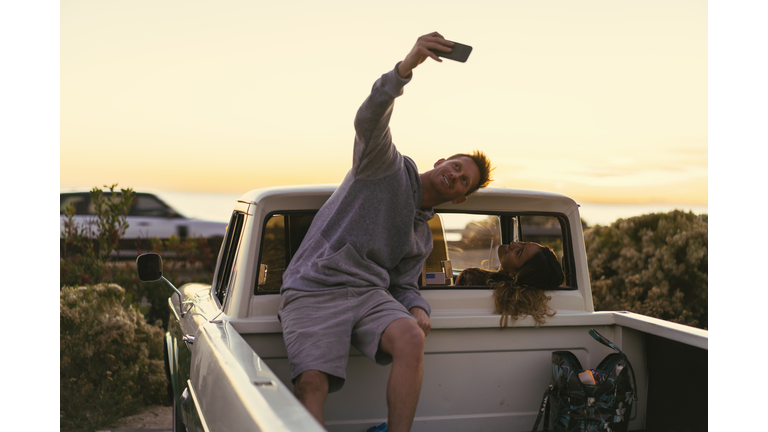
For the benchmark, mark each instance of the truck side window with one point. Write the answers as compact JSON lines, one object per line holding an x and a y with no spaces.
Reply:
{"x":229,"y":251}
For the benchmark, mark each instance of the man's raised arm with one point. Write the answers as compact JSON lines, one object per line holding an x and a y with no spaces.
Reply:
{"x":374,"y":155}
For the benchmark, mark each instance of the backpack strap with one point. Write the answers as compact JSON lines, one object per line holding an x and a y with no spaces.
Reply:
{"x":603,"y":340}
{"x":543,"y":410}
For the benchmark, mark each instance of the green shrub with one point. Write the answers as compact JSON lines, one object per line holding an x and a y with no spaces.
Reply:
{"x":655,"y":265}
{"x":88,"y":255}
{"x":111,"y":360}
{"x":88,"y":248}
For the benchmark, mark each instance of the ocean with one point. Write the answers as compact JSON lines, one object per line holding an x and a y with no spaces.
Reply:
{"x":218,"y":207}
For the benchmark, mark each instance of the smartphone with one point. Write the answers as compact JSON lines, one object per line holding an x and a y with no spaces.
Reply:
{"x":459,"y":53}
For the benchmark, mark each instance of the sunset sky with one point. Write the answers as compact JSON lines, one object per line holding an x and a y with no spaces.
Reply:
{"x":600,"y":100}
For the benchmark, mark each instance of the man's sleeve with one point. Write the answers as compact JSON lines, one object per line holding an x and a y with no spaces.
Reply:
{"x":374,"y":153}
{"x":403,"y":285}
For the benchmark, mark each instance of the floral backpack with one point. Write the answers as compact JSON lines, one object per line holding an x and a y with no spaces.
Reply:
{"x":591,"y":400}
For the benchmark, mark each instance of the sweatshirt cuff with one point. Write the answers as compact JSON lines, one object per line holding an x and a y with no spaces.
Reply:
{"x":418,"y":301}
{"x":401,"y":81}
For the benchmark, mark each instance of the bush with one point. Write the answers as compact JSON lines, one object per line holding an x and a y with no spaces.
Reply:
{"x":88,"y":248}
{"x":88,"y":255}
{"x":111,"y":360}
{"x":655,"y":265}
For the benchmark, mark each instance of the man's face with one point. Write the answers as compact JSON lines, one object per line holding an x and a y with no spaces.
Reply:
{"x":452,"y":179}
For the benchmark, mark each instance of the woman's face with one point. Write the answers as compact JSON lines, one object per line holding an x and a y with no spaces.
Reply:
{"x":515,"y":254}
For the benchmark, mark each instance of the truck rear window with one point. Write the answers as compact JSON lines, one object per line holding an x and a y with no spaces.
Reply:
{"x":283,"y":233}
{"x":460,"y":241}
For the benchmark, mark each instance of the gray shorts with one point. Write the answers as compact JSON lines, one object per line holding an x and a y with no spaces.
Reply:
{"x":319,"y":326}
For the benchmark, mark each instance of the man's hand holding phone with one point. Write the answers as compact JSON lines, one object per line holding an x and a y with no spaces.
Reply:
{"x":432,"y":45}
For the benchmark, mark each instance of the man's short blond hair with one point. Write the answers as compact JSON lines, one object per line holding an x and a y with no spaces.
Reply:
{"x":483,"y":165}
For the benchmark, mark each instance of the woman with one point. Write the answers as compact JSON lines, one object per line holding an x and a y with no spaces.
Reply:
{"x":527,"y":269}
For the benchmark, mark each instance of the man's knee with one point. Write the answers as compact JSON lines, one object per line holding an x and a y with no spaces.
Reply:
{"x":311,"y":383}
{"x":404,"y":339}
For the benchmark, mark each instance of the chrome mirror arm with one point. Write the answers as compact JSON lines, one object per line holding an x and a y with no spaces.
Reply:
{"x":181,"y":303}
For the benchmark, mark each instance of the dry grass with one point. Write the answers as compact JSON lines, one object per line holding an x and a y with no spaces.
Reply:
{"x":154,"y":417}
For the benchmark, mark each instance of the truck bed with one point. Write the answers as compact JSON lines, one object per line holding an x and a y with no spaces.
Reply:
{"x":480,"y":377}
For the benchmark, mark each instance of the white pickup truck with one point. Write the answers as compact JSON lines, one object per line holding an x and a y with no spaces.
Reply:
{"x":227,"y":363}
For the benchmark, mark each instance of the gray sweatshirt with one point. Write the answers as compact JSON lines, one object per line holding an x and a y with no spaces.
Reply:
{"x":370,"y":232}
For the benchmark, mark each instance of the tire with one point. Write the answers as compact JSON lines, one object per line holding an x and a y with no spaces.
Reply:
{"x":178,"y":424}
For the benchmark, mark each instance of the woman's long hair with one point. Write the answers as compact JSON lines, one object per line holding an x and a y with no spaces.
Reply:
{"x":522,"y":295}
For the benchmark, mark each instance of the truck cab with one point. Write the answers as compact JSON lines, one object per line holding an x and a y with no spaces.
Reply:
{"x":229,"y":370}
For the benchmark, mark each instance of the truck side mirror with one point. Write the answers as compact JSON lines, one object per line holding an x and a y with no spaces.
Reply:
{"x":150,"y":267}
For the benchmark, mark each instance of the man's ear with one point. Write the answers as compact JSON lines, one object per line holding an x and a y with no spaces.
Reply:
{"x":439,"y":162}
{"x":459,"y":200}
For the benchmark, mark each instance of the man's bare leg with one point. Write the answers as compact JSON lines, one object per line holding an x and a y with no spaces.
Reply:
{"x":311,"y":388}
{"x":404,"y":341}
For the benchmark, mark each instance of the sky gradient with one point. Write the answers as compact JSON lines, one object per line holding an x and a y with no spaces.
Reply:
{"x":599,"y":100}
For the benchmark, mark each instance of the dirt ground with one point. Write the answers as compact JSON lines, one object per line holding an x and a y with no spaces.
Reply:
{"x":153,"y":418}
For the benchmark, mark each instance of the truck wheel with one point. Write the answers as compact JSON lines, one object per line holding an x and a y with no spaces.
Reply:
{"x":178,"y":425}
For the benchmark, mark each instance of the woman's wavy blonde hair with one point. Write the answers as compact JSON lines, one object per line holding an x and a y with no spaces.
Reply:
{"x":522,"y":295}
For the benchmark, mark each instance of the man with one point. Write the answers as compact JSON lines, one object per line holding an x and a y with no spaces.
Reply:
{"x":354,"y":278}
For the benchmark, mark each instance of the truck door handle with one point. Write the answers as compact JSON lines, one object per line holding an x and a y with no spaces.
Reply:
{"x":189,"y":339}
